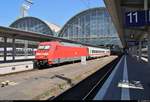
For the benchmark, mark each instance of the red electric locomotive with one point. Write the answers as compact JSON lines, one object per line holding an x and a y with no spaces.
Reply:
{"x":55,"y":52}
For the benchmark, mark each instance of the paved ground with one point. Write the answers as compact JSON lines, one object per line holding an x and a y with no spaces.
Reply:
{"x":42,"y":84}
{"x":130,"y":80}
{"x":2,"y":65}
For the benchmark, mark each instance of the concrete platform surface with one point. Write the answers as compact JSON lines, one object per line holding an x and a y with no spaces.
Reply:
{"x":130,"y":80}
{"x":15,"y":63}
{"x":43,"y":84}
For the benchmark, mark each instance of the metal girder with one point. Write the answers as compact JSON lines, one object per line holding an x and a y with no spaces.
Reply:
{"x":137,"y":29}
{"x":133,"y":3}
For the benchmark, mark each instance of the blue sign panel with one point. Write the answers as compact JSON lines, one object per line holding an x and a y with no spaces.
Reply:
{"x":135,"y":18}
{"x":148,"y":17}
{"x":133,"y":43}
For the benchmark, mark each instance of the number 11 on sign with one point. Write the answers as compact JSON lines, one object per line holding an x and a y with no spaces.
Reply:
{"x":133,"y":16}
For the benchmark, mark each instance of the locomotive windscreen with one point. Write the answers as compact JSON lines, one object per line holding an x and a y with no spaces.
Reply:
{"x":44,"y":47}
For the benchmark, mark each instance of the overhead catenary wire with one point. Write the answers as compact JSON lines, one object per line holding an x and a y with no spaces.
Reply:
{"x":86,"y":3}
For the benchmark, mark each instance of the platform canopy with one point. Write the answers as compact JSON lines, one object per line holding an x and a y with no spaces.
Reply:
{"x":118,"y":10}
{"x":8,"y":32}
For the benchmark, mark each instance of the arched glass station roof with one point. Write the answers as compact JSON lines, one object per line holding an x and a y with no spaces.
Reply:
{"x":32,"y":24}
{"x":92,"y":26}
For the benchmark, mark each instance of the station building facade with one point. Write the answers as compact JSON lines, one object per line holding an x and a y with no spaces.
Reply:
{"x":92,"y":26}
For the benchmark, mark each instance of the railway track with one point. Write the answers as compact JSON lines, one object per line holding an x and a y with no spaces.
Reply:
{"x":42,"y":68}
{"x":87,"y":89}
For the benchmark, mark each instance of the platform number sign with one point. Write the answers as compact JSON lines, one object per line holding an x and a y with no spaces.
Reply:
{"x":135,"y":18}
{"x":148,"y":17}
{"x":132,"y":17}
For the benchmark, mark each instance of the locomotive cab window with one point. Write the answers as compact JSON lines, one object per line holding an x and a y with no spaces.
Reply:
{"x":44,"y":47}
{"x":47,"y":47}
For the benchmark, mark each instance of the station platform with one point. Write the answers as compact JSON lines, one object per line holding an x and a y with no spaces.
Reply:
{"x":13,"y":67}
{"x":130,"y":80}
{"x":49,"y":82}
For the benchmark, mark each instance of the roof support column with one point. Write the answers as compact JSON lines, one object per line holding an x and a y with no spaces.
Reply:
{"x":149,"y":48}
{"x":140,"y":50}
{"x":131,"y":50}
{"x":148,"y":34}
{"x":26,"y":49}
{"x":14,"y":48}
{"x":135,"y":52}
{"x":5,"y":49}
{"x":145,"y":4}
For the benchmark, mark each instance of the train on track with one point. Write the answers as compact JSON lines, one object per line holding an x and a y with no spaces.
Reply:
{"x":56,"y":52}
